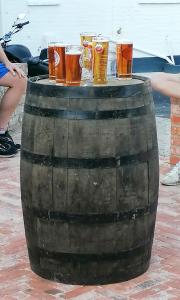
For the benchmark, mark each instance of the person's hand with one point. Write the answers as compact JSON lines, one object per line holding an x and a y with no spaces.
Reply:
{"x":14,"y":70}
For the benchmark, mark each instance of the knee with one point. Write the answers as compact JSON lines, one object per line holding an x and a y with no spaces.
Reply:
{"x":21,"y":83}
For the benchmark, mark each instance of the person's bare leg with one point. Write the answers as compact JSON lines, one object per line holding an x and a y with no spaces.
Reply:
{"x":167,"y":84}
{"x":16,"y":88}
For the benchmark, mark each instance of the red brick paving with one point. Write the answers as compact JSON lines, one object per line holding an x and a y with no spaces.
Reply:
{"x":160,"y":282}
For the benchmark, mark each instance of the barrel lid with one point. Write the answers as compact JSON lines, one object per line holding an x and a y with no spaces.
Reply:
{"x":41,"y":86}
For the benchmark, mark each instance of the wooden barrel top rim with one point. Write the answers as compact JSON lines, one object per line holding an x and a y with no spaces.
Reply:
{"x":141,"y":79}
{"x":126,"y":88}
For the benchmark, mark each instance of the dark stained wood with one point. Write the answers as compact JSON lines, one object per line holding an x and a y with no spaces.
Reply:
{"x":90,"y":185}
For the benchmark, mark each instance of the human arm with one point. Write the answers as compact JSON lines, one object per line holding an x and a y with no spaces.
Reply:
{"x":11,"y":67}
{"x":167,"y":84}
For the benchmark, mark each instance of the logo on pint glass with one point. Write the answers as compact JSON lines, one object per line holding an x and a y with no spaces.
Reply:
{"x":85,"y":43}
{"x":56,"y":58}
{"x":99,"y":48}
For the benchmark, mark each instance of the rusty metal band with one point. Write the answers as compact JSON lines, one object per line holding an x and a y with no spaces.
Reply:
{"x":87,"y":163}
{"x":138,"y":251}
{"x":86,"y":115}
{"x":91,"y":218}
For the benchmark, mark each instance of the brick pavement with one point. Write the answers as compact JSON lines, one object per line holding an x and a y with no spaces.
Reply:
{"x":160,"y":282}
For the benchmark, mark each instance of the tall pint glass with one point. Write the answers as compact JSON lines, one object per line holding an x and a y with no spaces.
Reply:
{"x":124,"y":58}
{"x":86,"y":42}
{"x":100,"y":48}
{"x":73,"y":60}
{"x":51,"y":60}
{"x":60,"y":68}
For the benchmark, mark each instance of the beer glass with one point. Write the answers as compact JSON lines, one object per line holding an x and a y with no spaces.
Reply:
{"x":100,"y":47}
{"x":60,"y":69}
{"x":73,"y":60}
{"x":86,"y":42}
{"x":124,"y":53}
{"x":51,"y":60}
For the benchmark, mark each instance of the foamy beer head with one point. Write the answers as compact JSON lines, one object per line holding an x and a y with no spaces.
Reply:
{"x":60,"y":69}
{"x":51,"y":60}
{"x":124,"y":57}
{"x":73,"y":60}
{"x":100,"y":48}
{"x":87,"y":37}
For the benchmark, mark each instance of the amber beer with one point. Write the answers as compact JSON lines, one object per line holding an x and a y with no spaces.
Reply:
{"x":73,"y":60}
{"x":124,"y":56}
{"x":51,"y":60}
{"x":60,"y":68}
{"x":100,"y":48}
{"x":86,"y":42}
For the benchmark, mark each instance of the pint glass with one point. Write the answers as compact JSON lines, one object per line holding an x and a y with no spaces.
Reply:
{"x":73,"y":60}
{"x":124,"y":53}
{"x":51,"y":60}
{"x":60,"y":69}
{"x":86,"y":42}
{"x":100,"y":47}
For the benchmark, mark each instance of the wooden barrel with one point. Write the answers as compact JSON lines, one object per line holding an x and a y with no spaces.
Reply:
{"x":89,"y":180}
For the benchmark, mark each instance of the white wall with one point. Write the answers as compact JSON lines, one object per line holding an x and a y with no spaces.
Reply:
{"x":146,"y":24}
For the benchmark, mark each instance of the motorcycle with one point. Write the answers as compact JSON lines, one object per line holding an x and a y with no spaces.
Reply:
{"x":17,"y":53}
